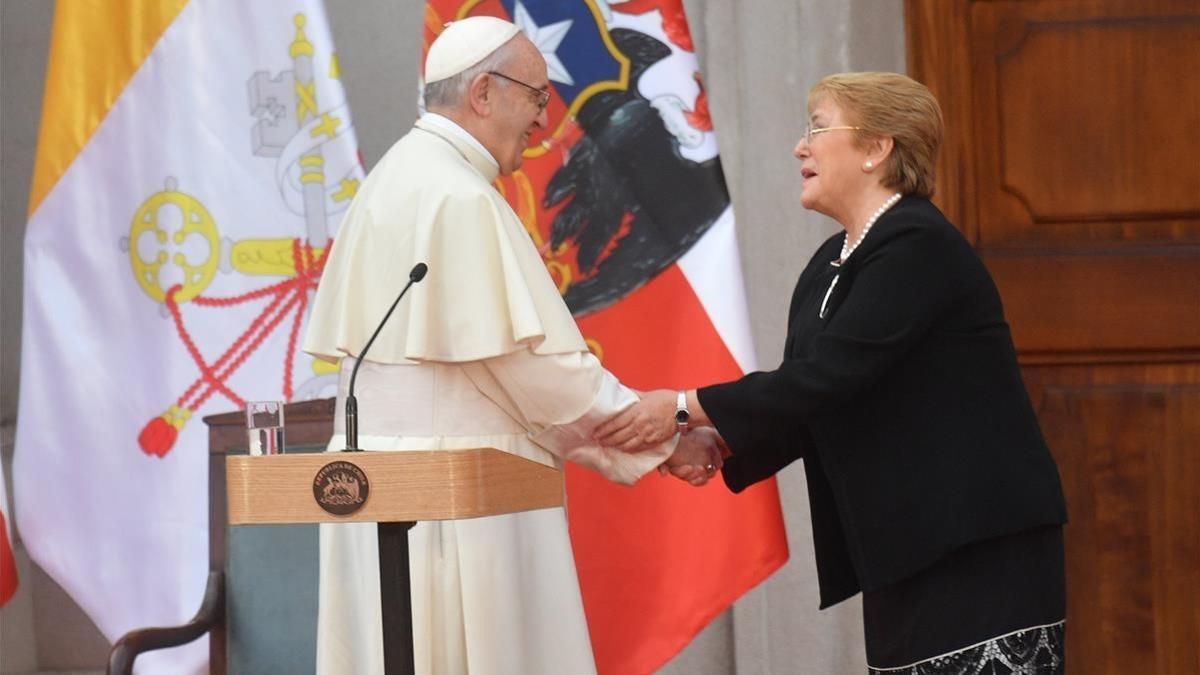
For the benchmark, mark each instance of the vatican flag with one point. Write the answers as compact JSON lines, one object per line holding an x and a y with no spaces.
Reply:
{"x":193,"y":162}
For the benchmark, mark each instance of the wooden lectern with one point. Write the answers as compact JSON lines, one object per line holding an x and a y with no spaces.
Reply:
{"x":402,"y":487}
{"x":394,"y":489}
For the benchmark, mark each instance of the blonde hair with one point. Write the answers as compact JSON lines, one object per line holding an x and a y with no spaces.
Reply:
{"x":890,"y":104}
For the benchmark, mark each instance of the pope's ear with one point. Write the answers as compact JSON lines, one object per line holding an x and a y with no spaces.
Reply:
{"x":480,"y":94}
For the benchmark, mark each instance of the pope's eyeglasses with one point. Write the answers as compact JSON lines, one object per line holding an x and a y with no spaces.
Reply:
{"x":543,"y":96}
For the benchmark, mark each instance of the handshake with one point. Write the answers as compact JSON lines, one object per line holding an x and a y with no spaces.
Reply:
{"x":700,"y":452}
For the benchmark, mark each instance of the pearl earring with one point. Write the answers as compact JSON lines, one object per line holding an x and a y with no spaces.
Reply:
{"x":869,"y":165}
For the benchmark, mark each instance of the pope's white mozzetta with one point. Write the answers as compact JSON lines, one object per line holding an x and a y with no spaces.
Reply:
{"x":487,"y":292}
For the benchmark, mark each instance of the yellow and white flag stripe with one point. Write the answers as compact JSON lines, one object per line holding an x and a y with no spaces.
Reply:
{"x":95,"y":49}
{"x":193,"y":162}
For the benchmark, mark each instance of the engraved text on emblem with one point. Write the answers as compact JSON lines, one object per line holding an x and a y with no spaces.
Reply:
{"x":340,"y":488}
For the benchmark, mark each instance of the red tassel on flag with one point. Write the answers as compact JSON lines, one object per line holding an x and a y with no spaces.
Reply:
{"x":158,"y":436}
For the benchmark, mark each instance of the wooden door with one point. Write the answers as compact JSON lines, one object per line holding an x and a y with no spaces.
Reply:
{"x":1072,"y":162}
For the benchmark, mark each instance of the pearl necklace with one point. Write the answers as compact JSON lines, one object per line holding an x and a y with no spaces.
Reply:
{"x":848,"y":248}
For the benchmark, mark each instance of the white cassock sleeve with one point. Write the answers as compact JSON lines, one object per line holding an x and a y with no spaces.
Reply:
{"x":561,"y":399}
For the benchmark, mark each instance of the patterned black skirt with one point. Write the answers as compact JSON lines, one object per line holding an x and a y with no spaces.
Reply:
{"x":991,"y":608}
{"x":1032,"y":651}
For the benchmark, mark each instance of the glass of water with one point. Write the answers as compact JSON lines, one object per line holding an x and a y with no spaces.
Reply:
{"x":264,"y":424}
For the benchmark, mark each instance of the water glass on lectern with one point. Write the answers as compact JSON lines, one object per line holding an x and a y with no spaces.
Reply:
{"x":264,"y":424}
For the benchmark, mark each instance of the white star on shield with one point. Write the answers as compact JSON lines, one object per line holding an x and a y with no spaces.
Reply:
{"x":546,"y":39}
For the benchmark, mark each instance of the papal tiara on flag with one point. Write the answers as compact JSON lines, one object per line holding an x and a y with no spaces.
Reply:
{"x":464,"y":43}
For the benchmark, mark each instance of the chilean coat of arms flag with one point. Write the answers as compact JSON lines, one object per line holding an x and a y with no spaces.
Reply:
{"x":624,"y":195}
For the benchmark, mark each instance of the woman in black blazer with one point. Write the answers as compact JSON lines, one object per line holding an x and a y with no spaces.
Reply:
{"x":931,"y":488}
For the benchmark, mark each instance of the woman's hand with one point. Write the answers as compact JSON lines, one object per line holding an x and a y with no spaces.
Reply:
{"x":697,"y":458}
{"x":647,"y":423}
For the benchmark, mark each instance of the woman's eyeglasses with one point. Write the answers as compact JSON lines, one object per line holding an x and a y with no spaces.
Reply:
{"x":810,"y":131}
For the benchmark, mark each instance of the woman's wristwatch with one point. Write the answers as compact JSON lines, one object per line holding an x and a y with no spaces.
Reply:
{"x":681,"y":412}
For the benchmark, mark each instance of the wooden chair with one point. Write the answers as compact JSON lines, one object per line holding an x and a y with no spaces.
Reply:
{"x":309,"y":425}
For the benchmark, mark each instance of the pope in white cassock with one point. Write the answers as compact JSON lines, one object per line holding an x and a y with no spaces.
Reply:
{"x":483,"y":353}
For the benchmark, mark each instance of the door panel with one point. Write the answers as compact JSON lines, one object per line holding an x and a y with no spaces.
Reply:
{"x":1070,"y":163}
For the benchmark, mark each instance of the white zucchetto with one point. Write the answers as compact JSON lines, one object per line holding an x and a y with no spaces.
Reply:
{"x":464,"y":43}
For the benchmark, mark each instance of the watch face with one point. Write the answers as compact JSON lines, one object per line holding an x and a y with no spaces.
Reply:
{"x":681,"y":417}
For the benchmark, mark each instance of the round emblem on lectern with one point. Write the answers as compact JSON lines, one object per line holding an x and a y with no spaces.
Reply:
{"x":341,"y":488}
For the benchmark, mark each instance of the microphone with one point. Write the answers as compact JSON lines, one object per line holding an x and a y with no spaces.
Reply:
{"x":416,"y":275}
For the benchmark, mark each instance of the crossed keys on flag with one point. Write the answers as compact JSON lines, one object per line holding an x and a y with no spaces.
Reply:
{"x":292,"y":128}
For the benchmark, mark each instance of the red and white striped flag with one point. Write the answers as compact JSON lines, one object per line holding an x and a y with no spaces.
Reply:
{"x":193,"y":162}
{"x":8,"y":564}
{"x":624,"y":195}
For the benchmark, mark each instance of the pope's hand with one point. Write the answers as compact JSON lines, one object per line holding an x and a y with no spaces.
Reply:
{"x":649,"y":422}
